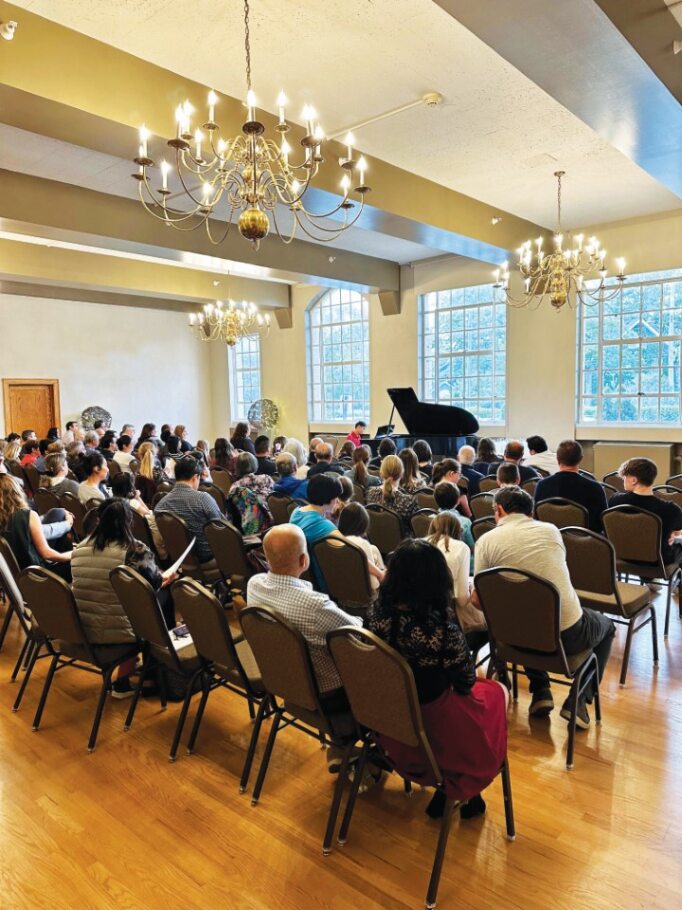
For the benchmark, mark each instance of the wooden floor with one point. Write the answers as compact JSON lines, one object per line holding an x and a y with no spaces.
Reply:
{"x":123,"y":828}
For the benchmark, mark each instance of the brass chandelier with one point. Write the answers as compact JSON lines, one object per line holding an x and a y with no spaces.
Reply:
{"x":573,"y":270}
{"x":228,"y":322}
{"x":248,"y":173}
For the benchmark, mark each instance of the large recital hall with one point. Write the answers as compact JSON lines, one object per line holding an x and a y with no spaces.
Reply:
{"x":341,"y":454}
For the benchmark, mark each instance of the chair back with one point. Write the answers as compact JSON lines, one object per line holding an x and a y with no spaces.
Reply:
{"x":488,"y":484}
{"x":635,"y":534}
{"x":426,"y":500}
{"x":8,"y":584}
{"x":8,"y":555}
{"x":358,"y":494}
{"x":481,"y":526}
{"x":51,"y":601}
{"x":530,"y":485}
{"x":214,"y":490}
{"x":114,"y":468}
{"x":609,"y":491}
{"x":32,"y":476}
{"x":73,"y":504}
{"x":614,"y":480}
{"x":586,"y":473}
{"x":156,"y":499}
{"x":142,"y":531}
{"x":482,"y":505}
{"x":164,"y":486}
{"x":282,"y":656}
{"x":421,"y":522}
{"x":591,"y":561}
{"x":222,"y":479}
{"x":279,"y":503}
{"x":146,"y":488}
{"x":91,"y":518}
{"x":463,"y":484}
{"x":227,"y":546}
{"x":562,"y":512}
{"x":45,"y":500}
{"x":540,"y":471}
{"x":140,"y":605}
{"x":385,"y":528}
{"x":177,"y":538}
{"x":18,"y":471}
{"x":669,"y":494}
{"x":344,"y":568}
{"x":522,"y":611}
{"x":675,"y":481}
{"x":380,"y":688}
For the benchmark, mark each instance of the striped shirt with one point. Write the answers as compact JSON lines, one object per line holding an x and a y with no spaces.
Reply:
{"x":196,"y":509}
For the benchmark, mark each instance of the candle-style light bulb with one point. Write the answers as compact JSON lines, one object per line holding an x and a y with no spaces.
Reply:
{"x":179,"y":117}
{"x":212,"y":101}
{"x":318,"y":134}
{"x":281,"y":104}
{"x":198,"y":138}
{"x":144,"y":136}
{"x":309,"y":116}
{"x":206,"y":190}
{"x":165,"y":168}
{"x":349,"y":142}
{"x":621,"y":265}
{"x":345,"y":184}
{"x":252,"y":104}
{"x":285,"y":150}
{"x":362,"y":167}
{"x":187,"y":117}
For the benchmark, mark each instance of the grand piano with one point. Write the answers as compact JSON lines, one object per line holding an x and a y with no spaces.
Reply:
{"x":444,"y":427}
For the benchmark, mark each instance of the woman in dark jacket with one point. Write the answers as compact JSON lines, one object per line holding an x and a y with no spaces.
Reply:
{"x":241,"y":440}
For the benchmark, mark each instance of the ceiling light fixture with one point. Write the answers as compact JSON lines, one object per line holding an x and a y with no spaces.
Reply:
{"x":7,"y":29}
{"x":228,"y":322}
{"x":249,"y":173}
{"x":563,"y":275}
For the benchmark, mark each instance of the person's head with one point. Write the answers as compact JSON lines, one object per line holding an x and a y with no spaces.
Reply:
{"x":569,"y":454}
{"x":354,"y":520}
{"x":201,"y":445}
{"x":286,"y":551}
{"x":446,"y":469}
{"x":13,"y":437}
{"x":346,"y":489}
{"x":513,"y":451}
{"x":638,"y":473}
{"x":286,"y":464}
{"x":512,"y":501}
{"x":95,"y":465}
{"x":128,"y":430}
{"x":417,"y":581}
{"x":188,"y":471}
{"x":181,"y":431}
{"x":386,"y":447}
{"x":446,"y":527}
{"x":314,"y":443}
{"x":148,"y":431}
{"x":536,"y":445}
{"x":278,"y":444}
{"x":446,"y":495}
{"x":30,"y":447}
{"x":145,"y":455}
{"x":124,"y":443}
{"x":423,"y":451}
{"x":324,"y":452}
{"x":26,"y":435}
{"x":347,"y":449}
{"x":114,"y":524}
{"x":508,"y":475}
{"x":173,"y":445}
{"x":72,"y":426}
{"x":54,"y":433}
{"x":324,"y":491}
{"x":391,"y":472}
{"x":12,"y":499}
{"x":43,"y":446}
{"x":166,"y":431}
{"x":296,"y":448}
{"x":12,"y":450}
{"x":108,"y":442}
{"x":360,"y":427}
{"x":410,"y":466}
{"x":123,"y":485}
{"x":486,"y":450}
{"x":246,"y":464}
{"x":223,"y":453}
{"x":100,"y":427}
{"x":56,"y":446}
{"x":55,"y":464}
{"x":361,"y":457}
{"x":241,"y":431}
{"x":466,"y":455}
{"x":262,"y":446}
{"x":75,"y":451}
{"x":91,"y":439}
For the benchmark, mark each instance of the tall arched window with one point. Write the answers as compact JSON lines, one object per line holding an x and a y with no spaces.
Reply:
{"x":244,"y":360}
{"x":337,"y":329}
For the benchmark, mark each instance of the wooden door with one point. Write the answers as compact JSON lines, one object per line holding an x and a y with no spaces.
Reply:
{"x":31,"y":404}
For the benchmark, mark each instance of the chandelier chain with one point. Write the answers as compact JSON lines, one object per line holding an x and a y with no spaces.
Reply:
{"x":247,"y":45}
{"x":559,"y":176}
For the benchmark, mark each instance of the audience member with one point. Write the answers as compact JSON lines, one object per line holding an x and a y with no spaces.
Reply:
{"x":354,"y":525}
{"x":312,"y":446}
{"x":147,"y":434}
{"x":540,"y":456}
{"x":324,"y":454}
{"x":13,"y":437}
{"x":29,"y":452}
{"x":28,"y":436}
{"x":278,"y":444}
{"x":359,"y":473}
{"x":124,"y":455}
{"x":91,"y":441}
{"x":12,"y":451}
{"x":508,"y":475}
{"x":519,"y":542}
{"x":107,"y":445}
{"x":464,"y":717}
{"x":386,"y":447}
{"x":639,"y":476}
{"x":312,"y":612}
{"x":173,"y":454}
{"x":123,"y":487}
{"x":288,"y":484}
{"x":412,"y":480}
{"x":266,"y":464}
{"x":194,"y":506}
{"x":241,"y":439}
{"x":128,"y":430}
{"x":314,"y":519}
{"x":448,"y":499}
{"x":568,"y":483}
{"x":355,"y":437}
{"x":75,"y":455}
{"x":53,"y":434}
{"x":100,"y":427}
{"x":224,"y":455}
{"x":183,"y":436}
{"x":346,"y":452}
{"x":72,"y":432}
{"x":248,"y":496}
{"x":424,"y":456}
{"x":296,"y":448}
{"x":449,"y":469}
{"x":513,"y":454}
{"x":344,"y":498}
{"x":24,"y":532}
{"x":39,"y":463}
{"x":389,"y":493}
{"x":55,"y":476}
{"x":96,"y":472}
{"x":486,"y":455}
{"x":466,"y":457}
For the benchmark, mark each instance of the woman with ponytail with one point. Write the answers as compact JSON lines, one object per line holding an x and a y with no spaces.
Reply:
{"x":359,"y":473}
{"x":389,"y":493}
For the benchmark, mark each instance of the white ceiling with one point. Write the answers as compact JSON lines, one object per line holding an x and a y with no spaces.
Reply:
{"x":675,"y":9}
{"x":497,"y":137}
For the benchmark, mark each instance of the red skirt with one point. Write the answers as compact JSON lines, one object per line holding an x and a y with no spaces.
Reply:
{"x":468,"y":736}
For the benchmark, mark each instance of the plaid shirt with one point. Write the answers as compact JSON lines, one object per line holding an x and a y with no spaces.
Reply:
{"x":196,"y":509}
{"x":311,"y":612}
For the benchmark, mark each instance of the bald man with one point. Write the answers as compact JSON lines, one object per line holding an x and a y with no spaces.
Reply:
{"x":311,"y":612}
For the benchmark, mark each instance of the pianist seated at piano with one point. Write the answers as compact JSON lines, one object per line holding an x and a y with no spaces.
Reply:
{"x":390,"y":495}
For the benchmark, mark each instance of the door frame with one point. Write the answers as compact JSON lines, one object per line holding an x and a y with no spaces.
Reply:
{"x":54,"y":383}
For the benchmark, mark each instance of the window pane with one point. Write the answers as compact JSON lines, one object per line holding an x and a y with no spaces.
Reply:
{"x":244,"y":364}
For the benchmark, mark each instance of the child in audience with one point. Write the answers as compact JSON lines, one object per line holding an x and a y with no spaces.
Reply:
{"x":354,"y":525}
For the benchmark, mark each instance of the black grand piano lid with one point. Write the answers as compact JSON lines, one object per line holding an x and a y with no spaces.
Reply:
{"x":423,"y":418}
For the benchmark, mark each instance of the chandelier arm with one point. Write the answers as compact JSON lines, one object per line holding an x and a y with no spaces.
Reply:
{"x":320,"y":239}
{"x":228,"y":225}
{"x":184,"y":216}
{"x":199,"y":203}
{"x":295,"y":223}
{"x":313,"y":216}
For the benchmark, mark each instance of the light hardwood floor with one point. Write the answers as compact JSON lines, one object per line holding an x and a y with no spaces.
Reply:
{"x":123,"y":828}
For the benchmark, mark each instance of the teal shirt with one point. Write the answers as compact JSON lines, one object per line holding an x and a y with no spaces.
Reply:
{"x":316,"y":527}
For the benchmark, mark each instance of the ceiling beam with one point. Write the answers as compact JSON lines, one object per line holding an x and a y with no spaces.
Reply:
{"x":103,"y":94}
{"x":574,"y":52}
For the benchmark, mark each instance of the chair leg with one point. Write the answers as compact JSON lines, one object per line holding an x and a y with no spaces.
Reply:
{"x":252,"y":712}
{"x":654,"y":634}
{"x":508,"y":800}
{"x":44,"y":693}
{"x":205,"y":692}
{"x":27,"y":675}
{"x":251,"y":751}
{"x":667,"y":608}
{"x":17,"y":666}
{"x":572,"y":722}
{"x":597,"y":693}
{"x":173,"y":754}
{"x":515,"y":683}
{"x":353,"y":795}
{"x":266,"y":757}
{"x":5,"y":624}
{"x":336,"y":801}
{"x":27,"y":655}
{"x":626,"y":652}
{"x":163,"y":691}
{"x":106,"y":685}
{"x":446,"y":823}
{"x":136,"y":697}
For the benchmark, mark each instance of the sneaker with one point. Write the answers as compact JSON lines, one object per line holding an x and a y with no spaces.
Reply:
{"x":335,"y":758}
{"x":582,"y":718}
{"x":473,"y":808}
{"x":541,"y":704}
{"x":121,"y":688}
